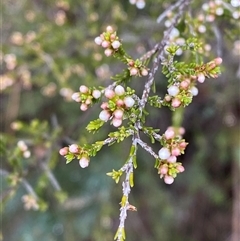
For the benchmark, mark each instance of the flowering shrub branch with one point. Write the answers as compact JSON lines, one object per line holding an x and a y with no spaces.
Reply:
{"x":126,"y":111}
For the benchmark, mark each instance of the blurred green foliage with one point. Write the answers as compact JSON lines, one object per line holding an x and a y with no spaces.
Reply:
{"x":48,"y":51}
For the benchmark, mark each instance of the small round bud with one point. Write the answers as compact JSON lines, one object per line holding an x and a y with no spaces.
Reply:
{"x":164,"y":153}
{"x":169,"y":134}
{"x":118,"y":114}
{"x":116,"y":122}
{"x":105,"y":44}
{"x":63,"y":151}
{"x":109,"y":93}
{"x":144,"y":72}
{"x":218,"y":61}
{"x":84,"y":162}
{"x":109,"y":29}
{"x":74,"y":148}
{"x":184,"y":84}
{"x":104,"y":105}
{"x":88,"y":101}
{"x":129,"y":101}
{"x":173,"y":90}
{"x":167,"y":98}
{"x":120,"y":103}
{"x":119,"y":90}
{"x":83,"y":89}
{"x":180,"y":168}
{"x":76,"y":97}
{"x":133,"y":71}
{"x":104,"y":115}
{"x":183,"y":145}
{"x":176,"y":151}
{"x":83,"y":107}
{"x":172,"y":159}
{"x":194,"y":91}
{"x":98,"y":40}
{"x":26,"y":154}
{"x":200,"y":77}
{"x":108,"y":52}
{"x":96,"y":94}
{"x":181,"y":131}
{"x":168,"y":179}
{"x":116,"y":44}
{"x":163,"y":170}
{"x":176,"y":103}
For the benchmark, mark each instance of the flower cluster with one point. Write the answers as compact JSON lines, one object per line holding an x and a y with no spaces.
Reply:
{"x":86,"y":96}
{"x":109,"y":41}
{"x":136,"y":68}
{"x":30,"y":202}
{"x":24,"y":149}
{"x":180,"y":93}
{"x":118,"y":101}
{"x":75,"y":151}
{"x":173,"y":146}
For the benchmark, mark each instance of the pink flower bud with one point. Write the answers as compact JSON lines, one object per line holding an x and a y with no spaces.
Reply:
{"x":96,"y":94}
{"x":104,"y":115}
{"x":105,"y":44}
{"x":172,"y":159}
{"x":129,"y":101}
{"x":74,"y":148}
{"x":98,"y":40}
{"x":83,"y":89}
{"x":181,"y":131}
{"x":83,"y":107}
{"x":163,"y":170}
{"x":167,"y":98}
{"x":63,"y":151}
{"x":218,"y":61}
{"x":169,"y":134}
{"x":88,"y":101}
{"x":116,"y":44}
{"x":180,"y":168}
{"x":183,"y":145}
{"x":104,"y":105}
{"x":176,"y":102}
{"x":109,"y":29}
{"x":119,"y":103}
{"x":144,"y":72}
{"x":173,"y":90}
{"x":109,"y":93}
{"x":113,"y":36}
{"x":119,"y":90}
{"x":133,"y":71}
{"x":168,"y":179}
{"x":200,"y":77}
{"x":118,"y":114}
{"x":108,"y":52}
{"x":184,"y":84}
{"x":84,"y":162}
{"x":76,"y":97}
{"x":116,"y":122}
{"x":176,"y":151}
{"x":164,"y":153}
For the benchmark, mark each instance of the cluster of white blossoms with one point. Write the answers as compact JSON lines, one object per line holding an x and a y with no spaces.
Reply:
{"x":173,"y":147}
{"x":118,"y":102}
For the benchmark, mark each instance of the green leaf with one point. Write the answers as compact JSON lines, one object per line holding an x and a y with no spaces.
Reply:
{"x":94,"y":125}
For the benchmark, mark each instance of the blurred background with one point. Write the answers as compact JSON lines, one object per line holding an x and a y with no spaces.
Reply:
{"x":47,"y":52}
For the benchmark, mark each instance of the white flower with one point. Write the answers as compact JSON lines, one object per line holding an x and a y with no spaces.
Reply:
{"x":164,"y":153}
{"x":104,"y":115}
{"x":119,"y":90}
{"x":116,"y":44}
{"x":96,"y":94}
{"x":129,"y":101}
{"x":173,"y":90}
{"x":84,"y":162}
